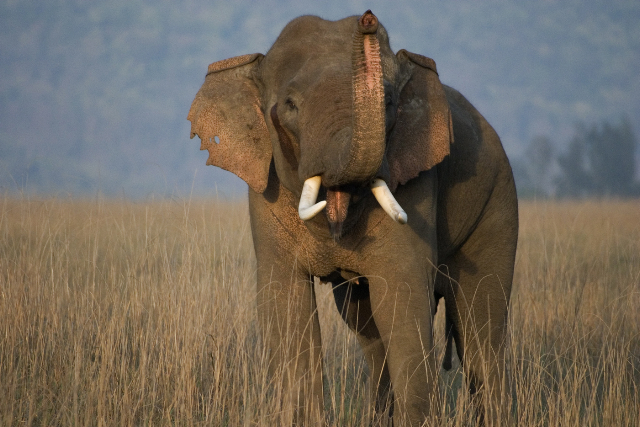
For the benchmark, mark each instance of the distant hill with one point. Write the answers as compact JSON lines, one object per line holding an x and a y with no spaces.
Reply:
{"x":94,"y":95}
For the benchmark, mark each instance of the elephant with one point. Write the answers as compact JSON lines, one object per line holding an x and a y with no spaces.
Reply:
{"x":367,"y":173}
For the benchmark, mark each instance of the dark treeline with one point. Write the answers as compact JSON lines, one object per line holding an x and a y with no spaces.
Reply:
{"x":599,"y":161}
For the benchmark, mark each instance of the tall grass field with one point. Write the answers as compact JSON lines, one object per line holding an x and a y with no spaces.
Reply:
{"x":120,"y":313}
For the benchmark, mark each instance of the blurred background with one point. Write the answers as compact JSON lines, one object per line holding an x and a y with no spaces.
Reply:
{"x":94,"y":94}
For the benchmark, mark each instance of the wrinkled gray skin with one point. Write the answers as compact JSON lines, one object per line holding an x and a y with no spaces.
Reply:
{"x":462,"y":219}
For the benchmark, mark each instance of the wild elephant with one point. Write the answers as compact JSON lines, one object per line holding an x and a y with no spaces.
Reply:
{"x":368,"y":173}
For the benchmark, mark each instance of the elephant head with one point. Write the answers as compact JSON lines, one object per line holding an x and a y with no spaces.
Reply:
{"x":334,"y":109}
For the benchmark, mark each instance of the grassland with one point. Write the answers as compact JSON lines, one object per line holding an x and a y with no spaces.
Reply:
{"x":123,"y":313}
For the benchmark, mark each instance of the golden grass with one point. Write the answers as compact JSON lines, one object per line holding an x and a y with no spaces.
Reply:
{"x":575,"y":320}
{"x":123,"y":313}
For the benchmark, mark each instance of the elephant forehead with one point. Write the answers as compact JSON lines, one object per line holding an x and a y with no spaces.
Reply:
{"x":289,"y":55}
{"x":315,"y":43}
{"x":322,"y":75}
{"x":312,"y":30}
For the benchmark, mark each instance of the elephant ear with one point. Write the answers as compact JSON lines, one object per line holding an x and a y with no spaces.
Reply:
{"x":227,"y":117}
{"x":423,"y":131}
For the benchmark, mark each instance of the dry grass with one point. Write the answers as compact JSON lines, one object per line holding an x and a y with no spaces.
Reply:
{"x":122,"y":313}
{"x":575,"y":321}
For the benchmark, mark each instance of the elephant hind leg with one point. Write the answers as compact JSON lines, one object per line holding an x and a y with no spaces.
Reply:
{"x":447,"y":359}
{"x":448,"y":350}
{"x":354,"y":305}
{"x":477,"y":291}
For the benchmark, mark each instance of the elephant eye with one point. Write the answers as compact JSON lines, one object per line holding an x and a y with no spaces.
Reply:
{"x":388,"y":100}
{"x":290,"y":104}
{"x":388,"y":93}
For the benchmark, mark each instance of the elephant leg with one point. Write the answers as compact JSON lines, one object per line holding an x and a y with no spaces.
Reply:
{"x":354,"y":305}
{"x":477,"y":292}
{"x":448,"y":350}
{"x":288,"y":317}
{"x":403,"y":309}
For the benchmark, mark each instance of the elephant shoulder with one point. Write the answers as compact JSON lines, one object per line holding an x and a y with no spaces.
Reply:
{"x":475,"y":142}
{"x":466,"y":119}
{"x":476,"y":170}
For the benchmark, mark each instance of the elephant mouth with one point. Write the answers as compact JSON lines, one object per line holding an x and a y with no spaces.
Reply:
{"x":338,"y":200}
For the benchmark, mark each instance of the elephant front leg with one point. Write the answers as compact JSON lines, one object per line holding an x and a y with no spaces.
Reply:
{"x":289,"y":322}
{"x":354,"y":305}
{"x":403,"y":310}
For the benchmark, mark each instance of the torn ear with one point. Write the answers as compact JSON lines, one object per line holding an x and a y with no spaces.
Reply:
{"x":227,"y":117}
{"x":423,"y":130}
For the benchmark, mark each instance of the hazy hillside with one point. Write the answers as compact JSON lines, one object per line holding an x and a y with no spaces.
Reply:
{"x":94,"y":94}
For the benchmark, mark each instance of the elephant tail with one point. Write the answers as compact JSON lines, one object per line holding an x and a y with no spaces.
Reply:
{"x":448,"y":351}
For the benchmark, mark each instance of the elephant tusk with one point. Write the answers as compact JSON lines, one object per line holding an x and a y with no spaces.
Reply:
{"x":308,"y":208}
{"x":383,"y":195}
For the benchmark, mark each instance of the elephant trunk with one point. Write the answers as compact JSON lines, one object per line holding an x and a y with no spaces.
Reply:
{"x":367,"y":147}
